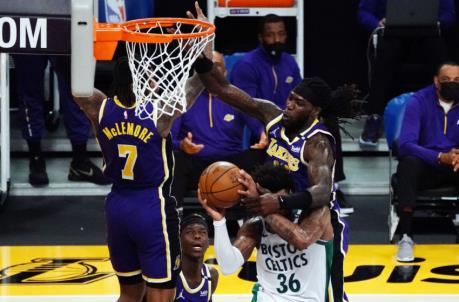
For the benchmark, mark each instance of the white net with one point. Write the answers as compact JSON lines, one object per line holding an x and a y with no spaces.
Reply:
{"x":160,"y":70}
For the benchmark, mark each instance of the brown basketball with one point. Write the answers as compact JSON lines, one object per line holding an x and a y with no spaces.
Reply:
{"x":218,"y":184}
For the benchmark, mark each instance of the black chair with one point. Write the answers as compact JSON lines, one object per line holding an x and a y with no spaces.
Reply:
{"x":438,"y":202}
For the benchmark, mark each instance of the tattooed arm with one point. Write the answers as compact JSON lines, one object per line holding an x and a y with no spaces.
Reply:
{"x":91,"y":106}
{"x":248,"y":237}
{"x":319,"y":158}
{"x":312,"y":226}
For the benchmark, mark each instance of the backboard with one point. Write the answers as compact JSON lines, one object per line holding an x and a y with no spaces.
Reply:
{"x":52,"y":27}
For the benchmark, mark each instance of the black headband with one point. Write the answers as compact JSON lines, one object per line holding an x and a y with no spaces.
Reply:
{"x":193,"y":219}
{"x":315,"y":90}
{"x":307,"y":93}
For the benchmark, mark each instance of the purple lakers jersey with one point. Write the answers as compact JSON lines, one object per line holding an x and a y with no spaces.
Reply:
{"x":202,"y":293}
{"x":289,"y":152}
{"x":135,"y":154}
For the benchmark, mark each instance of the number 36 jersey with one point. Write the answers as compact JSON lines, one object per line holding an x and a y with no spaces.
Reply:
{"x":135,"y":154}
{"x":287,"y":274}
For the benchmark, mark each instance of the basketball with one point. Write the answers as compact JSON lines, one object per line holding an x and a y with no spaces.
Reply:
{"x":219,"y":185}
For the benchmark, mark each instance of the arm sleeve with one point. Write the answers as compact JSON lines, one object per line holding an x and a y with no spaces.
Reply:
{"x":408,"y":141}
{"x":229,"y":257}
{"x":447,"y":14}
{"x":366,"y":14}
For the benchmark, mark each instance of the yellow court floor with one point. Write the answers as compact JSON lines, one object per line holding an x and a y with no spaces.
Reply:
{"x":84,"y":273}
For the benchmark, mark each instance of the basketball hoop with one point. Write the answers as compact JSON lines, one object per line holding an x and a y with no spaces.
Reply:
{"x":160,"y":52}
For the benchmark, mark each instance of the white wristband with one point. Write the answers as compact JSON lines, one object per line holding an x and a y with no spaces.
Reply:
{"x":229,"y":257}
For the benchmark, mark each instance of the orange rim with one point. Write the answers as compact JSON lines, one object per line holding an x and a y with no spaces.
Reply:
{"x":107,"y":35}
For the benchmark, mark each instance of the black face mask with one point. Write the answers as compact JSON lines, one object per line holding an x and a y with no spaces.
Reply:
{"x":274,"y":50}
{"x":449,"y":91}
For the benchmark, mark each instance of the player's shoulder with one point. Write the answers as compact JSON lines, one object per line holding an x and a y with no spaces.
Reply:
{"x":213,"y":273}
{"x":253,"y":224}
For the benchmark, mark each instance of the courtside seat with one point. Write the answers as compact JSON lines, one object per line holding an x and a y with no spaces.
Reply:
{"x":437,"y":202}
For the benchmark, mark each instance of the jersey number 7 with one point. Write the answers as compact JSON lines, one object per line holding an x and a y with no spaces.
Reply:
{"x":129,"y":151}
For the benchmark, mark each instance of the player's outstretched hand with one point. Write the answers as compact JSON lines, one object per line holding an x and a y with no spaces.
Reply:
{"x":200,"y":16}
{"x":216,"y":214}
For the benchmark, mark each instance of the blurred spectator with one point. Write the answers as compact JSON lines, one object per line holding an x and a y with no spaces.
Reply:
{"x":30,"y":85}
{"x":268,"y":71}
{"x":389,"y":55}
{"x":428,"y":147}
{"x":211,"y":131}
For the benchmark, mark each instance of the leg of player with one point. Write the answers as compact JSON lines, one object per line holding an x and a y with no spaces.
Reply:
{"x":160,"y":294}
{"x":131,"y":292}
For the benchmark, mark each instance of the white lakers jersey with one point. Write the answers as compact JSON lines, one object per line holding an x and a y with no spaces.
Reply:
{"x":287,"y":274}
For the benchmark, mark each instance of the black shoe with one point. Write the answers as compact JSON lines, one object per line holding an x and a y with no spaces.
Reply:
{"x":37,"y":172}
{"x":345,"y":207}
{"x":85,"y":170}
{"x":371,"y":132}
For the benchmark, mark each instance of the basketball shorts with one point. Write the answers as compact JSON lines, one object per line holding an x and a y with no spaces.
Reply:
{"x":143,"y":236}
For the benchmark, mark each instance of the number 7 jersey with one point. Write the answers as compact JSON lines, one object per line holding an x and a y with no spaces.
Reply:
{"x":135,"y":154}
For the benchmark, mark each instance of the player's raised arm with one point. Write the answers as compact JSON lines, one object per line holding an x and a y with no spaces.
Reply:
{"x":91,"y":105}
{"x":231,"y":257}
{"x":217,"y":84}
{"x":194,"y":86}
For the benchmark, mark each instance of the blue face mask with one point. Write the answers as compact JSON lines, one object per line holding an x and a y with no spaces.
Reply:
{"x":449,"y":91}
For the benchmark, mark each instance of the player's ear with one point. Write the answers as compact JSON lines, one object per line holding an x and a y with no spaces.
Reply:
{"x":316,"y":112}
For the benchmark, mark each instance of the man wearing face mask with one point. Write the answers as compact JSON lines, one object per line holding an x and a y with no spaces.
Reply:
{"x":268,"y":71}
{"x":428,"y":147}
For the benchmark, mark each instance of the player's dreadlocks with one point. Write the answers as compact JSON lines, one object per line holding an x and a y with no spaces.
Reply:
{"x":122,"y":82}
{"x":336,"y":105}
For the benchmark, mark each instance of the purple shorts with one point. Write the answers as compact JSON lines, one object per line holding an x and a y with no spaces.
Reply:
{"x":143,"y":234}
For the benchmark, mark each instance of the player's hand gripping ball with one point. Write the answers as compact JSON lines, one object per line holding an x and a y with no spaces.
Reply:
{"x":219,"y":184}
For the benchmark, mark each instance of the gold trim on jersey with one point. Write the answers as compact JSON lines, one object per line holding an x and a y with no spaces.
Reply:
{"x":128,"y":274}
{"x":209,"y":283}
{"x":319,"y":131}
{"x":163,"y":219}
{"x":188,"y":288}
{"x":303,"y":160}
{"x":101,"y":109}
{"x":272,"y":122}
{"x":298,"y":136}
{"x":118,"y":103}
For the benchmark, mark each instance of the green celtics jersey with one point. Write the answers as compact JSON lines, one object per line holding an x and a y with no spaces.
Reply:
{"x":287,"y":274}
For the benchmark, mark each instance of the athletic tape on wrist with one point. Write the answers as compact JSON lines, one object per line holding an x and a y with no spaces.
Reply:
{"x":296,"y":201}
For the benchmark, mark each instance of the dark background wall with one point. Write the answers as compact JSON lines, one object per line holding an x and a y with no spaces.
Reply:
{"x":335,"y":44}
